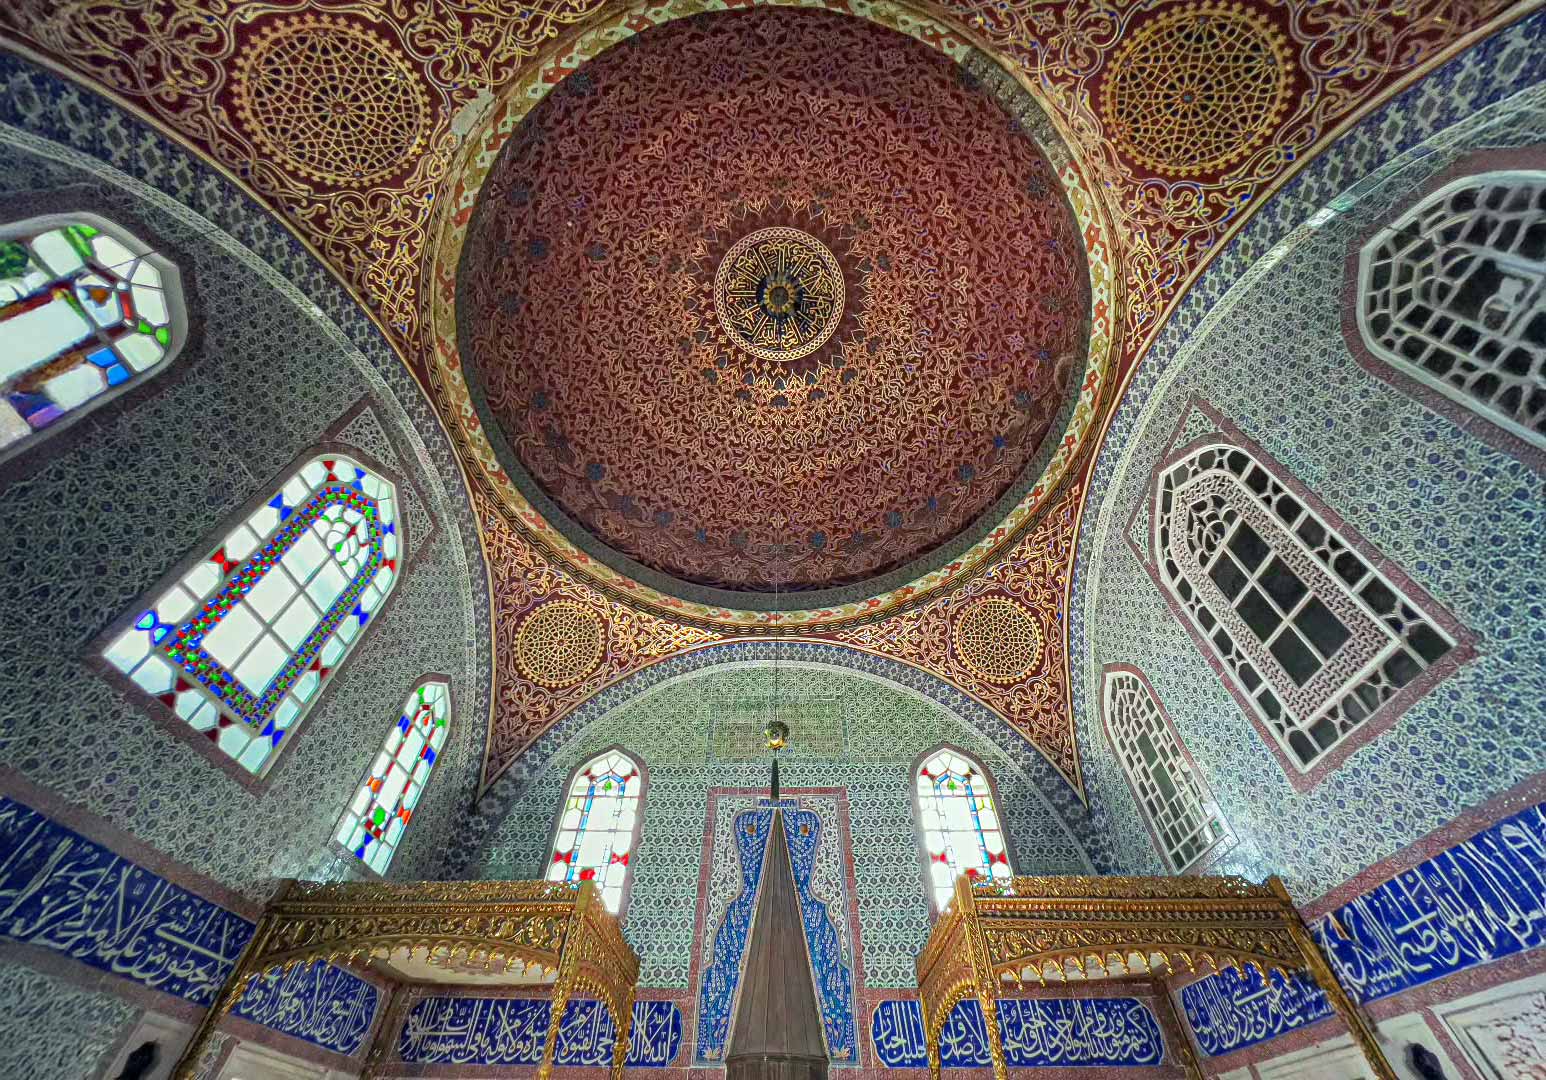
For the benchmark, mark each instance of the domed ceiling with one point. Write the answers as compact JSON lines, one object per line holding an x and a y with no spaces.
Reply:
{"x":769,"y":301}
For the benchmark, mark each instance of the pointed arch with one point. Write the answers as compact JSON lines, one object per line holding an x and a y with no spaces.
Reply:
{"x":1182,"y":816}
{"x":956,"y":813}
{"x":1319,"y":638}
{"x":88,"y":311}
{"x":596,"y":833}
{"x":373,"y":825}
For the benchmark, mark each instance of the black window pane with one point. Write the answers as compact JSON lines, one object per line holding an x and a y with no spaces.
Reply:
{"x":1258,"y":614}
{"x":1429,"y":645}
{"x":1379,"y":596}
{"x":1324,"y":629}
{"x":1227,"y":576}
{"x":1248,"y":545}
{"x":1300,"y":663}
{"x":1282,"y":584}
{"x":1401,"y":669}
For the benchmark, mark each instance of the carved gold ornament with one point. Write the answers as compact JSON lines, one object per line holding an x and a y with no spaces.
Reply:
{"x":998,"y":640}
{"x":559,"y":644}
{"x":779,"y":293}
{"x":1197,"y":88}
{"x":331,"y":100}
{"x":995,"y":936}
{"x":539,"y":925}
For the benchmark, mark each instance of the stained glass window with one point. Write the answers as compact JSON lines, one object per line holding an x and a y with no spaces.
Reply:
{"x":241,"y":645}
{"x":373,"y":825}
{"x":961,"y":829}
{"x":596,"y":832}
{"x":86,"y":311}
{"x":1181,"y":813}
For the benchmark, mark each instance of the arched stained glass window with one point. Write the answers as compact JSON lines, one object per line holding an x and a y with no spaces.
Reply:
{"x":1314,"y":636}
{"x":959,"y":819}
{"x":1181,"y":813}
{"x":240,"y":644}
{"x":373,"y":825}
{"x":598,"y":826}
{"x":86,"y":311}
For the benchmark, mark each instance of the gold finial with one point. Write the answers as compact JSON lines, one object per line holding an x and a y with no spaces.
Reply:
{"x":778,"y":734}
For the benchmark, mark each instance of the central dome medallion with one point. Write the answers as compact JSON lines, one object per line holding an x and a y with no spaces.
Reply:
{"x":754,"y":356}
{"x":779,"y":294}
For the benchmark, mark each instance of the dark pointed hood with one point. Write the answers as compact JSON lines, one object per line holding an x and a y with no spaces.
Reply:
{"x":777,"y":1033}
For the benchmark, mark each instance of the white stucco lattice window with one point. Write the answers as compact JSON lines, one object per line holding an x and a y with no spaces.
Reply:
{"x":958,"y":821}
{"x":87,"y":312}
{"x":1453,"y":294}
{"x":1182,"y":816}
{"x":1314,"y":637}
{"x":240,"y":644}
{"x":598,"y":827}
{"x":372,"y":827}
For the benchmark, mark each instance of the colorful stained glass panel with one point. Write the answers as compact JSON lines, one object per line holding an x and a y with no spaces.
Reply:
{"x":596,"y":828}
{"x":961,"y":829}
{"x":242,"y":643}
{"x":372,"y":827}
{"x":83,"y":313}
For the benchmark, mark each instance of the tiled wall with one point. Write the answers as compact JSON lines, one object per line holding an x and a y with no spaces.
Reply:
{"x":1260,"y":339}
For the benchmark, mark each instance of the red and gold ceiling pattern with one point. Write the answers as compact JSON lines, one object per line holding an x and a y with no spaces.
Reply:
{"x":999,"y":637}
{"x":1182,"y":116}
{"x":587,"y":299}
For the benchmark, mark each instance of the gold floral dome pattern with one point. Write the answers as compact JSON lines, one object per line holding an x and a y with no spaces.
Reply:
{"x":998,"y":640}
{"x":331,"y":100}
{"x":559,"y":644}
{"x":779,"y":294}
{"x":1195,"y":89}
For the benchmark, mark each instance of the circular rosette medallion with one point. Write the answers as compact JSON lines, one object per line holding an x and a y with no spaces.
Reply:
{"x":779,"y":294}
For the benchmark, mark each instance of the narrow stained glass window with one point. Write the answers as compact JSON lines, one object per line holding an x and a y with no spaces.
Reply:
{"x":241,"y":644}
{"x":596,"y":832}
{"x":86,"y":311}
{"x":1182,"y":816}
{"x":961,"y":830}
{"x":373,"y":825}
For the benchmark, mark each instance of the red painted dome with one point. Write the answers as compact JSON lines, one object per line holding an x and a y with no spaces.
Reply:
{"x":771,"y":300}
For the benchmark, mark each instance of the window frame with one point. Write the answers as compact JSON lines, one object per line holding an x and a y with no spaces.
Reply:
{"x":1382,"y":718}
{"x":1227,"y":839}
{"x":925,"y":877}
{"x":181,"y":298}
{"x":638,"y":821}
{"x":1452,"y":405}
{"x":163,"y":715}
{"x":355,"y":861}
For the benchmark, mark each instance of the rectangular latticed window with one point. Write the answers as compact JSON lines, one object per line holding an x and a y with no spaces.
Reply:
{"x":1312,"y":634}
{"x":1181,"y":813}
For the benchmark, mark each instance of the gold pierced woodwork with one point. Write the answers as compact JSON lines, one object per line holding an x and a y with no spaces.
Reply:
{"x":998,"y":936}
{"x":537,"y":924}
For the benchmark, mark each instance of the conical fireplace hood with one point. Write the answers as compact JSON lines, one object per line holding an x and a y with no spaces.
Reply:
{"x":777,"y":1033}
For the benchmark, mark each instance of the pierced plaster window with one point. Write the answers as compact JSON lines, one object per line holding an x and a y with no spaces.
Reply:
{"x":599,"y":826}
{"x":240,"y":645}
{"x":1453,"y":294}
{"x":1312,"y":635}
{"x":1180,"y":811}
{"x":86,"y":312}
{"x":960,"y":824}
{"x":372,"y":827}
